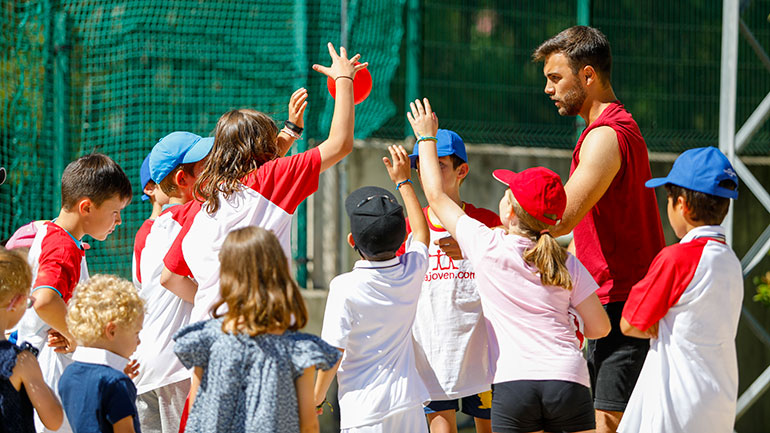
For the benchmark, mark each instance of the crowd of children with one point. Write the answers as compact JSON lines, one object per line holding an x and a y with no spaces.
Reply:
{"x":207,"y":339}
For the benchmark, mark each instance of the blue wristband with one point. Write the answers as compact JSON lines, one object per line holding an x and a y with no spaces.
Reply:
{"x":426,"y":138}
{"x":398,"y":185}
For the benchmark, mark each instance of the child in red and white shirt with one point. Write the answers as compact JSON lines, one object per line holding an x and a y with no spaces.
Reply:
{"x":246,"y":183}
{"x":94,"y":192}
{"x":688,"y":305}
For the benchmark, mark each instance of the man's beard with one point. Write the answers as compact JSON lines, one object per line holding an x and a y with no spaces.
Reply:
{"x":572,"y":101}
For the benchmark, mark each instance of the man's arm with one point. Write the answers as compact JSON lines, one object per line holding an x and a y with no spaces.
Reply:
{"x":632,"y":331}
{"x":600,"y":161}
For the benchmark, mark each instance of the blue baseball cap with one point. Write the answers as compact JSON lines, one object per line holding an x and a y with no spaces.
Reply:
{"x":449,"y":143}
{"x":144,"y":175}
{"x":700,"y":169}
{"x":177,"y":148}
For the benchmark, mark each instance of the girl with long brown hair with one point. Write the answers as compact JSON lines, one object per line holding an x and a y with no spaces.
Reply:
{"x":246,"y":182}
{"x":527,"y":283}
{"x":245,"y":359}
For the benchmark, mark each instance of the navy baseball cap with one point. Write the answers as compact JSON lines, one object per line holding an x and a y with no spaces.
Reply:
{"x":701,"y":170}
{"x":449,"y":143}
{"x":144,"y":175}
{"x":177,"y":148}
{"x":376,"y":220}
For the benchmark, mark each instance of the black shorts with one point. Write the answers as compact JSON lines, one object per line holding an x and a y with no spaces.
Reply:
{"x":533,"y":405}
{"x":614,"y":363}
{"x":476,"y":405}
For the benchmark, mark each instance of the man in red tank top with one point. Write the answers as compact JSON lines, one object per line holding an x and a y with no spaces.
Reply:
{"x":614,"y":218}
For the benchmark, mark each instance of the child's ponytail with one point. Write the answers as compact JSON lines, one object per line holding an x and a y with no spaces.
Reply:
{"x":547,"y":255}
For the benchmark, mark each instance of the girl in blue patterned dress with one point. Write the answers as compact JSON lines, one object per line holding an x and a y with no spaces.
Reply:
{"x":22,"y":388}
{"x":255,"y":371}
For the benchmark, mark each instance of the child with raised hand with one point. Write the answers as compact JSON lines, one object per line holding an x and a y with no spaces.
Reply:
{"x":527,"y":283}
{"x":246,"y":182}
{"x":370,"y":311}
{"x":22,"y":388}
{"x":246,"y":359}
{"x":689,"y":305}
{"x":105,"y":316}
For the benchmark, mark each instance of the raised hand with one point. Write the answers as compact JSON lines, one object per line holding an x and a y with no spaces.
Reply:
{"x":297,"y":105}
{"x":132,"y":369}
{"x":341,"y":65}
{"x":422,"y":118}
{"x":59,"y":342}
{"x":400,"y":169}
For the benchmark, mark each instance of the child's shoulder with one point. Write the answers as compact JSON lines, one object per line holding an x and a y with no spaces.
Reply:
{"x":10,"y":355}
{"x":486,"y":216}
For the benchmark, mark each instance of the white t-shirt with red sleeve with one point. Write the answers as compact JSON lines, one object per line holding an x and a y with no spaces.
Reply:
{"x":268,"y":199}
{"x":165,"y":313}
{"x":528,"y":327}
{"x":689,"y":382}
{"x":58,"y":263}
{"x":139,"y":241}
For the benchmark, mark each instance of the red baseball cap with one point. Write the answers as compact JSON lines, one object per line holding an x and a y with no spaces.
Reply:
{"x":538,"y":190}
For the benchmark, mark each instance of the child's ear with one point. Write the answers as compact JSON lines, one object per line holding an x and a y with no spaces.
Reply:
{"x":463,"y":170}
{"x":351,"y":242}
{"x":85,"y":206}
{"x":180,"y":178}
{"x":109,"y":330}
{"x":149,"y":189}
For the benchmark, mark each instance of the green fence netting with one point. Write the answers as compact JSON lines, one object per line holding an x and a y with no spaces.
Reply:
{"x":115,"y":76}
{"x":476,"y":68}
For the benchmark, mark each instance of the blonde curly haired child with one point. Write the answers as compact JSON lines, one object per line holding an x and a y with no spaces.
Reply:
{"x":105,"y":316}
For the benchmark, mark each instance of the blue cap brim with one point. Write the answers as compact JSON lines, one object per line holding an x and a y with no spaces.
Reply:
{"x":656,"y":182}
{"x":415,"y":156}
{"x":199,"y":150}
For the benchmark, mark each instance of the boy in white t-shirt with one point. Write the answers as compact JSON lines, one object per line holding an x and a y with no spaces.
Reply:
{"x":370,"y":311}
{"x":449,"y":331}
{"x":163,"y":383}
{"x":688,"y":305}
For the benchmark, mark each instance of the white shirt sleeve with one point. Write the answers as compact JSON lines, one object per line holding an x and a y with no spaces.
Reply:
{"x":474,"y":238}
{"x":583,"y":283}
{"x":336,"y":324}
{"x":416,"y":256}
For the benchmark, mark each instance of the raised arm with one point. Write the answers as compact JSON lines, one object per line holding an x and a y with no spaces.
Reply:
{"x":297,"y":105}
{"x":400,"y":171}
{"x":340,"y":141}
{"x":599,"y":163}
{"x":425,"y":124}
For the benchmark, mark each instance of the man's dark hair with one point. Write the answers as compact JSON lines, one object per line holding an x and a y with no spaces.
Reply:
{"x":705,"y":208}
{"x":582,"y":45}
{"x":96,"y":177}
